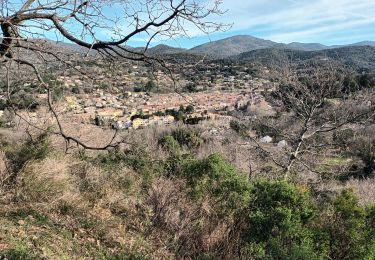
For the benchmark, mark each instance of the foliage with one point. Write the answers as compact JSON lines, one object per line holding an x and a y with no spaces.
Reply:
{"x":238,"y":127}
{"x":170,"y":144}
{"x":32,"y":149}
{"x":191,"y":88}
{"x":277,"y":220}
{"x":343,"y":137}
{"x":364,"y":148}
{"x":148,"y":87}
{"x":137,"y":158}
{"x":346,"y":229}
{"x":23,"y":100}
{"x":178,"y":115}
{"x":213,"y":176}
{"x":187,"y":137}
{"x":199,"y":206}
{"x":189,"y":109}
{"x":21,"y":253}
{"x":262,"y":129}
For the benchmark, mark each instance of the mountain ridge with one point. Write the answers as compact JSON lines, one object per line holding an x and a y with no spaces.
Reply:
{"x":230,"y":46}
{"x":355,"y":57}
{"x":235,"y":45}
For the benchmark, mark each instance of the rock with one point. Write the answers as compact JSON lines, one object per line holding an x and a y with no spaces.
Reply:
{"x":266,"y":140}
{"x":282,"y":144}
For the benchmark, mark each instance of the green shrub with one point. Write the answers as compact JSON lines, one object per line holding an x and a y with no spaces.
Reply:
{"x":187,"y":137}
{"x":168,"y":143}
{"x":263,"y":130}
{"x":347,"y":229}
{"x":32,"y":149}
{"x":238,"y":127}
{"x":214,"y":177}
{"x":21,"y":253}
{"x":39,"y":219}
{"x":277,"y":220}
{"x":175,"y":163}
{"x":23,"y":100}
{"x":191,"y":88}
{"x":138,"y":158}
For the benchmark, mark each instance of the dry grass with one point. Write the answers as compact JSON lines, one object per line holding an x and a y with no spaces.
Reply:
{"x":364,"y":189}
{"x":4,"y":173}
{"x":93,"y":210}
{"x":47,"y":181}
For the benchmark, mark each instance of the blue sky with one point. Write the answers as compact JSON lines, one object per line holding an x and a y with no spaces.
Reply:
{"x":325,"y":21}
{"x":328,"y":22}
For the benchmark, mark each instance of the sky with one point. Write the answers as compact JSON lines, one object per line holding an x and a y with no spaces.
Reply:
{"x":328,"y":22}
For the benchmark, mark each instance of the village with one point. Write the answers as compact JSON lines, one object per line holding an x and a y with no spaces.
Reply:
{"x":129,"y":96}
{"x":124,"y":102}
{"x":139,"y":110}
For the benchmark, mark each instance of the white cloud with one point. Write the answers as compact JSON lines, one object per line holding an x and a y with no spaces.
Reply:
{"x":292,"y":20}
{"x":324,"y":21}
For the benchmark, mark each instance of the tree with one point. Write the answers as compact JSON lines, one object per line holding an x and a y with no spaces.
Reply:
{"x":88,"y":25}
{"x":363,"y":146}
{"x":189,"y":109}
{"x":313,"y":107}
{"x":191,"y":87}
{"x":80,"y":22}
{"x":150,"y":85}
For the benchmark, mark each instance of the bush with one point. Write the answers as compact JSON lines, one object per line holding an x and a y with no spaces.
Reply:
{"x":343,"y":137}
{"x":347,"y":229}
{"x":264,"y":130}
{"x":277,"y":221}
{"x":191,"y":88}
{"x":214,"y":177}
{"x":22,"y":253}
{"x":24,"y":100}
{"x":168,"y":143}
{"x":32,"y":149}
{"x":178,"y":115}
{"x":364,"y":148}
{"x":238,"y":127}
{"x":187,"y":137}
{"x":148,"y":87}
{"x":138,"y":158}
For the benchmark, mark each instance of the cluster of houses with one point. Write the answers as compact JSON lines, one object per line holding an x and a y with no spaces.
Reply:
{"x":138,"y":110}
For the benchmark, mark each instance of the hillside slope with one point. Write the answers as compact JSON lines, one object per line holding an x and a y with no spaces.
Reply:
{"x":356,"y":57}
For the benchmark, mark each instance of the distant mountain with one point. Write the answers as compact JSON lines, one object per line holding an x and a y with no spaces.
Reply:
{"x":355,"y":57}
{"x":306,"y":46}
{"x":364,"y":43}
{"x":163,"y":49}
{"x":233,"y":46}
{"x":239,"y":44}
{"x":229,"y":47}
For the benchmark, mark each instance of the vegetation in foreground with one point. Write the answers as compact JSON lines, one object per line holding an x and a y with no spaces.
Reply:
{"x":164,"y":201}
